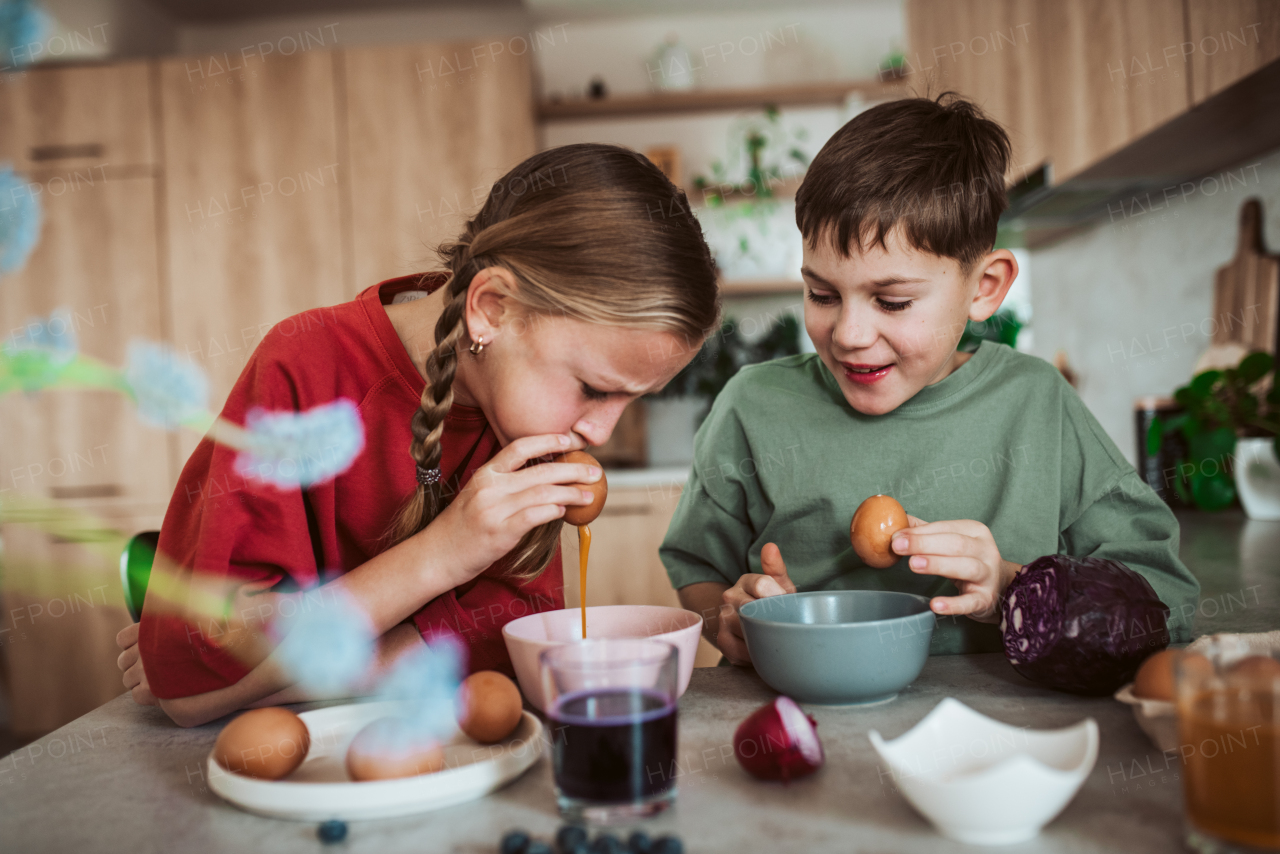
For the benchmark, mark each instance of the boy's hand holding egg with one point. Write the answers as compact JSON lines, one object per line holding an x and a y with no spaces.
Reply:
{"x":749,"y":587}
{"x":964,"y":551}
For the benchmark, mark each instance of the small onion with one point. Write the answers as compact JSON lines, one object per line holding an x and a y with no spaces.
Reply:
{"x":778,"y":741}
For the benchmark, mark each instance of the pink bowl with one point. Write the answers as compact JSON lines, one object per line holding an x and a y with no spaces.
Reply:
{"x":529,"y":636}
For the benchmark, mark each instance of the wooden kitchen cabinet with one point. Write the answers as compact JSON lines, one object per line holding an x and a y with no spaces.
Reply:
{"x":254,"y":206}
{"x":986,"y":51}
{"x":77,"y":117}
{"x":430,"y":128}
{"x":97,"y":259}
{"x":1105,"y":75}
{"x":62,"y":609}
{"x":1229,"y":39}
{"x":1071,"y":80}
{"x":623,"y":567}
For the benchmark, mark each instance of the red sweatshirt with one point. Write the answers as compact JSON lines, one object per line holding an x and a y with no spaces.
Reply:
{"x":242,"y":530}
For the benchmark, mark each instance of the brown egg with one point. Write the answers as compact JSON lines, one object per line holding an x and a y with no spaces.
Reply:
{"x":390,"y":748}
{"x":585,"y":514}
{"x":267,"y":743}
{"x":1262,"y":667}
{"x":489,"y":706}
{"x":871,"y":531}
{"x":1155,"y":678}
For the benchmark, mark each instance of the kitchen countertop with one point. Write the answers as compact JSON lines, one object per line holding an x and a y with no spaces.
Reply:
{"x":657,"y":476}
{"x":124,"y":778}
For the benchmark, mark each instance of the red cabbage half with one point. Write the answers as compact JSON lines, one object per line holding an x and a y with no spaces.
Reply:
{"x":1081,"y":624}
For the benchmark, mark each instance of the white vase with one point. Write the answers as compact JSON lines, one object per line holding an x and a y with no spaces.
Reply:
{"x":1258,"y":478}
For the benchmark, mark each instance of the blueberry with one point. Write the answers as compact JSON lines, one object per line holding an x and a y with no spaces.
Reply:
{"x":607,"y":843}
{"x":639,"y":843}
{"x":667,"y":845}
{"x":515,"y":842}
{"x":570,"y":836}
{"x":537,"y":846}
{"x":332,"y":831}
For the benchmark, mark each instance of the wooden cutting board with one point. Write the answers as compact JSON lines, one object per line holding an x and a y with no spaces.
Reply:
{"x":1246,"y":292}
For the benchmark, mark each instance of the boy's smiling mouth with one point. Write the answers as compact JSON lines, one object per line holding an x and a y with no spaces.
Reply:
{"x":864,"y":373}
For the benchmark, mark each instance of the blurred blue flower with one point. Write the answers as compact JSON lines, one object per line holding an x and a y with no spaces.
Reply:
{"x":292,"y":449}
{"x":23,"y":28}
{"x":426,"y":680}
{"x":169,"y":389}
{"x":20,"y":220}
{"x":326,"y":642}
{"x":55,"y":335}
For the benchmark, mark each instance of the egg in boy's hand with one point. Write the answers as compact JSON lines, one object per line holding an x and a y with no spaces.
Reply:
{"x":964,"y":551}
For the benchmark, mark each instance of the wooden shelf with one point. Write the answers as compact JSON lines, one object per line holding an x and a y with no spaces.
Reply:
{"x":705,"y":100}
{"x":783,"y":189}
{"x":760,"y":287}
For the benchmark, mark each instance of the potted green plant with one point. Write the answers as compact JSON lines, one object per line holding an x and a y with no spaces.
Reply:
{"x":675,"y":412}
{"x":1232,"y":432}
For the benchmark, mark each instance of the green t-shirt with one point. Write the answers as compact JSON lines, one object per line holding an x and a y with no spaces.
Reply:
{"x":1003,"y":439}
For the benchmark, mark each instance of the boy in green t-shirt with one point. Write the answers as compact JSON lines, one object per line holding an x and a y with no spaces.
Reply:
{"x":899,"y":213}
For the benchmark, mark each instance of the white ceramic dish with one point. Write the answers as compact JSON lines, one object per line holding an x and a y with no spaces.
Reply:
{"x":320,"y":788}
{"x":1157,"y":718}
{"x":985,"y":782}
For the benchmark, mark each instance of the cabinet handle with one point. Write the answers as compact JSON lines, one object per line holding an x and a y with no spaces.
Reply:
{"x":67,"y":152}
{"x":96,"y":490}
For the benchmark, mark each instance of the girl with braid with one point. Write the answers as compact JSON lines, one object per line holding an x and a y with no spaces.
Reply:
{"x":582,"y":283}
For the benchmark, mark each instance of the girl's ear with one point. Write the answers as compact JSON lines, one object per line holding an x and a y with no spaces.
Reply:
{"x":488,"y":302}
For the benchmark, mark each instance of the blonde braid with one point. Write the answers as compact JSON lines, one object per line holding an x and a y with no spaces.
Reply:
{"x":437,"y":395}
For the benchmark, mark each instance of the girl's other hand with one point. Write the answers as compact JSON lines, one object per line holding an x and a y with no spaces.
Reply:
{"x":130,"y":663}
{"x":506,"y":498}
{"x":750,"y":587}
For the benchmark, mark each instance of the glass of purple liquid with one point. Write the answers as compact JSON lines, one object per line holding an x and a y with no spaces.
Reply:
{"x":612,"y":709}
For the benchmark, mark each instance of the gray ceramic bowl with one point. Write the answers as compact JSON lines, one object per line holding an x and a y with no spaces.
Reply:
{"x":839,"y":647}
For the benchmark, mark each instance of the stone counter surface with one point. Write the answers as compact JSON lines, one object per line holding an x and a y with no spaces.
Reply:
{"x":124,"y":778}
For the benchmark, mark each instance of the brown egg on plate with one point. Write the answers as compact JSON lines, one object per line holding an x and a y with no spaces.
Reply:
{"x":1256,"y":667}
{"x":874,"y":523}
{"x":1155,"y":678}
{"x":390,"y":748}
{"x":585,"y":514}
{"x":267,"y":743}
{"x":489,"y":706}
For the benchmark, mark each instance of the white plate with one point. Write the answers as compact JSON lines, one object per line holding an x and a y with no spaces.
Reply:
{"x":320,"y":788}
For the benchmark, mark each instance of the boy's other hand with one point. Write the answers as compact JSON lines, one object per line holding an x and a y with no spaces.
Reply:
{"x":130,"y":663}
{"x":964,"y":551}
{"x":750,"y":587}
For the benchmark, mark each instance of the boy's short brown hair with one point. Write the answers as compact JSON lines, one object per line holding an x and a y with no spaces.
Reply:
{"x":934,"y":166}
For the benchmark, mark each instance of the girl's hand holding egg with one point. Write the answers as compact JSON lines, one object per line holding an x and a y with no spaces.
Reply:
{"x":506,"y":498}
{"x":599,"y":490}
{"x":964,"y":551}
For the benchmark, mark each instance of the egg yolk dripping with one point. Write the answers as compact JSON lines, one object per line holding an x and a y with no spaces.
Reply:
{"x":584,"y":547}
{"x":581,"y":515}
